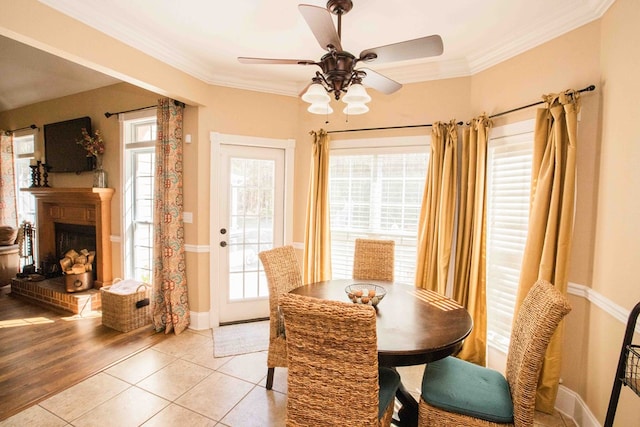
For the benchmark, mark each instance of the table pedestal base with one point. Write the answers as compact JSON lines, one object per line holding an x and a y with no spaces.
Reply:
{"x":408,"y":413}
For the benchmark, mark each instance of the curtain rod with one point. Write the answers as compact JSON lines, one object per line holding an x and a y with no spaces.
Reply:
{"x":8,"y":132}
{"x":176,"y":103}
{"x":386,"y":128}
{"x":586,"y":89}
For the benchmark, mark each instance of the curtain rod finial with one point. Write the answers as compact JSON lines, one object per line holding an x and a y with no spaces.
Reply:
{"x":108,"y":114}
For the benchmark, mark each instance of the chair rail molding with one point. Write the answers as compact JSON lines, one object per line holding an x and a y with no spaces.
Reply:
{"x":616,"y":311}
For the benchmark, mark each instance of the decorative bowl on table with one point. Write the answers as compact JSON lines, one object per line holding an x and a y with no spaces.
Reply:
{"x":365,"y":293}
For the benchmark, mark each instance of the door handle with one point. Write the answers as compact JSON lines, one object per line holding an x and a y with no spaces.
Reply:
{"x":223,"y":244}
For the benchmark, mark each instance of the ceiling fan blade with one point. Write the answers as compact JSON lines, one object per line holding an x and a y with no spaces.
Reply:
{"x":411,"y":49}
{"x":321,"y":24}
{"x":245,"y":60}
{"x":379,"y":82}
{"x":303,"y":91}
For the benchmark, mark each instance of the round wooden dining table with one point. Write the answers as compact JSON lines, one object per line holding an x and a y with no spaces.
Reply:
{"x":414,"y":326}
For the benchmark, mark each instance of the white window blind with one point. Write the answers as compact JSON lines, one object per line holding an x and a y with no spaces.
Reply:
{"x":508,"y":191}
{"x":140,"y":133}
{"x":376,"y":195}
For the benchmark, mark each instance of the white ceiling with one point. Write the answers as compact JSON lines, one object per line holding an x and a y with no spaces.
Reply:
{"x":204,"y":38}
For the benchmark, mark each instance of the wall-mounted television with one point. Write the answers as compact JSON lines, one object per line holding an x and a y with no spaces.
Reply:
{"x":61,"y":150}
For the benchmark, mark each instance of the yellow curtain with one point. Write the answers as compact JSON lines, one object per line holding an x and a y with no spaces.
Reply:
{"x":171,"y":306}
{"x":546,"y":253}
{"x":317,"y":238}
{"x":469,"y":285}
{"x":435,"y":229}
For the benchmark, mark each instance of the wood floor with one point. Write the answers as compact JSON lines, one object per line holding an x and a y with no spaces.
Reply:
{"x":43,"y":352}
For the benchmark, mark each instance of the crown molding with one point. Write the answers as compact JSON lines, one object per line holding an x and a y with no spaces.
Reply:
{"x":567,"y":18}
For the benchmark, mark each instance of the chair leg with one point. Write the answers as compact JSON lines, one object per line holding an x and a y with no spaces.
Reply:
{"x":270,"y":378}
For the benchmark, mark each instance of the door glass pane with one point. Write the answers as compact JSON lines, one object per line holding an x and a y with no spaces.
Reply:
{"x":252,"y":192}
{"x":144,"y":161}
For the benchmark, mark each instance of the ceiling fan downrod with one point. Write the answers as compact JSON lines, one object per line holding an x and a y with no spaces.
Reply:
{"x":339,"y":8}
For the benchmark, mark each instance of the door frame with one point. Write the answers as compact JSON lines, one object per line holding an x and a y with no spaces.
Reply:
{"x":217,"y":139}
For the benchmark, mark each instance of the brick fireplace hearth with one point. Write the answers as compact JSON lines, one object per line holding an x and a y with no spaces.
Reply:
{"x":51,"y":292}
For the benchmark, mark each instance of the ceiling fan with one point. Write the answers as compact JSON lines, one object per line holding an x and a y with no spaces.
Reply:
{"x":339,"y":74}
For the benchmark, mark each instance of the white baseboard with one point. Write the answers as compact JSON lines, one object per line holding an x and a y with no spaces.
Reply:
{"x":571,"y":405}
{"x":199,"y":320}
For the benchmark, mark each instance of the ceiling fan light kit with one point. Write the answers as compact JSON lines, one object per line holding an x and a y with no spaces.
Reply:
{"x":339,"y":73}
{"x":355,"y":108}
{"x":320,"y":108}
{"x":316,"y":94}
{"x":356,"y":94}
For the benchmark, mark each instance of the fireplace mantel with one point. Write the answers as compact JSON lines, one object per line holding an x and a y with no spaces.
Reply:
{"x":81,"y":206}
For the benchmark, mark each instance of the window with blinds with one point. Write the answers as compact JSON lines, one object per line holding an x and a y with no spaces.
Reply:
{"x":140,"y":132}
{"x":508,"y":191}
{"x":24,"y":146}
{"x":376,"y":194}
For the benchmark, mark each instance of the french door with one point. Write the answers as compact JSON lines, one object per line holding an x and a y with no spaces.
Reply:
{"x":251,"y":212}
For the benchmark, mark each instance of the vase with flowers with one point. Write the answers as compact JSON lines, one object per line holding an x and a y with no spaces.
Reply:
{"x":94,"y":145}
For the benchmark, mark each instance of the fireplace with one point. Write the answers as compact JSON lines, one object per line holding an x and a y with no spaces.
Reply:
{"x":75,"y":218}
{"x":73,"y":236}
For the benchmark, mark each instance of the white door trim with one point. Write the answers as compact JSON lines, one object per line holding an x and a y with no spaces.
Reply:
{"x":217,"y":139}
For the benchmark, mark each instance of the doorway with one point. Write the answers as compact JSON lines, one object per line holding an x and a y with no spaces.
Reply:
{"x":251,"y":198}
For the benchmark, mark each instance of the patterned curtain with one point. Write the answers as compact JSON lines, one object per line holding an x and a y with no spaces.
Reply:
{"x":171,"y":307}
{"x":551,"y":215}
{"x":8,"y":208}
{"x":435,"y":229}
{"x":469,"y":283}
{"x":317,"y":239}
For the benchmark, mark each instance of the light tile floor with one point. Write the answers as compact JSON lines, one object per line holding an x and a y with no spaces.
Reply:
{"x":178,"y":382}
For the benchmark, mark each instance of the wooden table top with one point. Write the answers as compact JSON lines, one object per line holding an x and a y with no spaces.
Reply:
{"x":414,"y":326}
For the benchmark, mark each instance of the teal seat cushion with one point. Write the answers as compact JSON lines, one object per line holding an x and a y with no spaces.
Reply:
{"x":389,"y":381}
{"x":462,"y":387}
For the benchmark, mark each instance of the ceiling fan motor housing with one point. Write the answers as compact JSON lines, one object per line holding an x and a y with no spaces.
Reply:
{"x":337,"y":68}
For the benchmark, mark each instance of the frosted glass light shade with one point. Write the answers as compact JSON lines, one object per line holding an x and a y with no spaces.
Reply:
{"x":320,"y":108}
{"x":353,"y":109}
{"x":356,"y":94}
{"x":316,"y":94}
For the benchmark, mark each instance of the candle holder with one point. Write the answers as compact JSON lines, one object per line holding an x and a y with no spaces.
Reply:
{"x":45,"y":174}
{"x":38,"y":174}
{"x":35,"y":175}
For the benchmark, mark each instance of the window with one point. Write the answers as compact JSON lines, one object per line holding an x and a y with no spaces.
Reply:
{"x":510,"y":153}
{"x":24,"y":145}
{"x":376,"y":193}
{"x":139,"y":135}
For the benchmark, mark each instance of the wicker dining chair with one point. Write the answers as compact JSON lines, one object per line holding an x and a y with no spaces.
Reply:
{"x":283,"y":274}
{"x":373,"y":260}
{"x":334,"y":378}
{"x":459,"y":393}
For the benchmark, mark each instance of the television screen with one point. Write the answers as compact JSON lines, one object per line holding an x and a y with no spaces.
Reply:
{"x":62,"y":152}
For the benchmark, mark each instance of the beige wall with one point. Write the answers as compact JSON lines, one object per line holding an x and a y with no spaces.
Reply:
{"x":604,"y":53}
{"x":617,"y":230}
